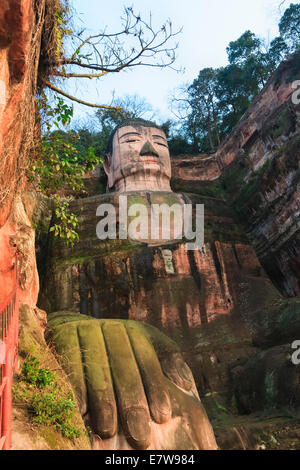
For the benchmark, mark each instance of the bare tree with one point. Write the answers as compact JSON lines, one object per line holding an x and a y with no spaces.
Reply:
{"x":180,"y":103}
{"x":138,"y":43}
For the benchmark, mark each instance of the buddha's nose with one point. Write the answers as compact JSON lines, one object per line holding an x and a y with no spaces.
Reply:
{"x":148,"y":149}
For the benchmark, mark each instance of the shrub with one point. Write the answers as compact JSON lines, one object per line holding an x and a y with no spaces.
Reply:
{"x":33,"y":374}
{"x":44,"y":398}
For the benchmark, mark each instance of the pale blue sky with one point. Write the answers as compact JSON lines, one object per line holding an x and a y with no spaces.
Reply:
{"x":208,"y":27}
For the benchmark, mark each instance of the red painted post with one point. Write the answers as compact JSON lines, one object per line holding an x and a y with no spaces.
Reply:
{"x":9,"y":321}
{"x":7,"y":402}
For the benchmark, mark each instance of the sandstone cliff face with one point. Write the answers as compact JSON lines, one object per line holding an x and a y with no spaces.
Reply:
{"x":262,"y":177}
{"x":20,"y":40}
{"x":17,"y":241}
{"x":217,"y":302}
{"x":21,"y":24}
{"x":256,"y":169}
{"x":250,"y":129}
{"x":204,"y":298}
{"x":201,"y":168}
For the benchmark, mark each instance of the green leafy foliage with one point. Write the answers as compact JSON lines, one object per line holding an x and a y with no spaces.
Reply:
{"x":289,"y":27}
{"x":68,"y":222}
{"x":218,"y":98}
{"x":59,"y":164}
{"x":51,"y":409}
{"x":33,"y":374}
{"x":37,"y":388}
{"x":62,"y":28}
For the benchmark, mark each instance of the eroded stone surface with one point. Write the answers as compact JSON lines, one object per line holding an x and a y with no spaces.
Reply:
{"x":117,"y":278}
{"x":18,"y":69}
{"x":259,"y":176}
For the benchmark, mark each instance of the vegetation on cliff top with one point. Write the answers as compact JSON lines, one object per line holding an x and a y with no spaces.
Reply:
{"x":211,"y":106}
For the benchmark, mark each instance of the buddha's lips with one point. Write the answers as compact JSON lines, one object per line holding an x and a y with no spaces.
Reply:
{"x":149,"y":159}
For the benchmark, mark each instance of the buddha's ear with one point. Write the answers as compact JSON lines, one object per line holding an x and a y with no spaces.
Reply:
{"x":107,"y":168}
{"x":107,"y":163}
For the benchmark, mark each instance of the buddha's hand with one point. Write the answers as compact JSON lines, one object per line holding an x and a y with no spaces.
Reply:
{"x":119,"y":369}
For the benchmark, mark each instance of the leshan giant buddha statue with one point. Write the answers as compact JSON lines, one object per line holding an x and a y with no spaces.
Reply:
{"x":132,"y":384}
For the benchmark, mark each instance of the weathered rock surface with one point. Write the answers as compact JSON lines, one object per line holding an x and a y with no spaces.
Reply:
{"x":202,"y":167}
{"x":116,"y":278}
{"x":17,"y":244}
{"x":267,"y":382}
{"x":217,"y":302}
{"x":259,"y":176}
{"x":20,"y":40}
{"x":21,"y":24}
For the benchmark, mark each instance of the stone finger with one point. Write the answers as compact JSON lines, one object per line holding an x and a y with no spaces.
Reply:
{"x":65,"y":338}
{"x":172,"y":363}
{"x":176,"y":369}
{"x":132,"y":401}
{"x":153,"y":379}
{"x":101,"y":400}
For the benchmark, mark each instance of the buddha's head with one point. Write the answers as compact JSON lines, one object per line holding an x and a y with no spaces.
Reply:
{"x":138,"y":158}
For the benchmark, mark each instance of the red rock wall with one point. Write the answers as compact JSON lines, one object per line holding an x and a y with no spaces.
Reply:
{"x":20,"y":41}
{"x":261,"y":160}
{"x":203,"y":287}
{"x":200,"y":168}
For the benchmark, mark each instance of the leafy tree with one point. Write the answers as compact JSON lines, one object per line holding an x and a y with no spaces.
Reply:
{"x":196,"y":106}
{"x":289,"y":27}
{"x":178,"y":143}
{"x":245,"y":46}
{"x":277,"y":51}
{"x":248,"y":53}
{"x":203,"y":102}
{"x":233,"y":97}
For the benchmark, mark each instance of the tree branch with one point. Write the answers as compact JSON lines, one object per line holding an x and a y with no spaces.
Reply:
{"x":73,"y":98}
{"x":79,"y":75}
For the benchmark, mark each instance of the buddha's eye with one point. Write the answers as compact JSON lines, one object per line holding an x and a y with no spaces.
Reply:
{"x":131,"y":140}
{"x":160,"y":143}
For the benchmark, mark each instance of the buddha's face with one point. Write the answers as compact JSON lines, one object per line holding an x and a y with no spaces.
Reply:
{"x":140,"y":160}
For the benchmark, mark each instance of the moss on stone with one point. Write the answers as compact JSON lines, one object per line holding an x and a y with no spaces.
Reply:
{"x":211,"y":189}
{"x":282,"y":124}
{"x":32,"y":343}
